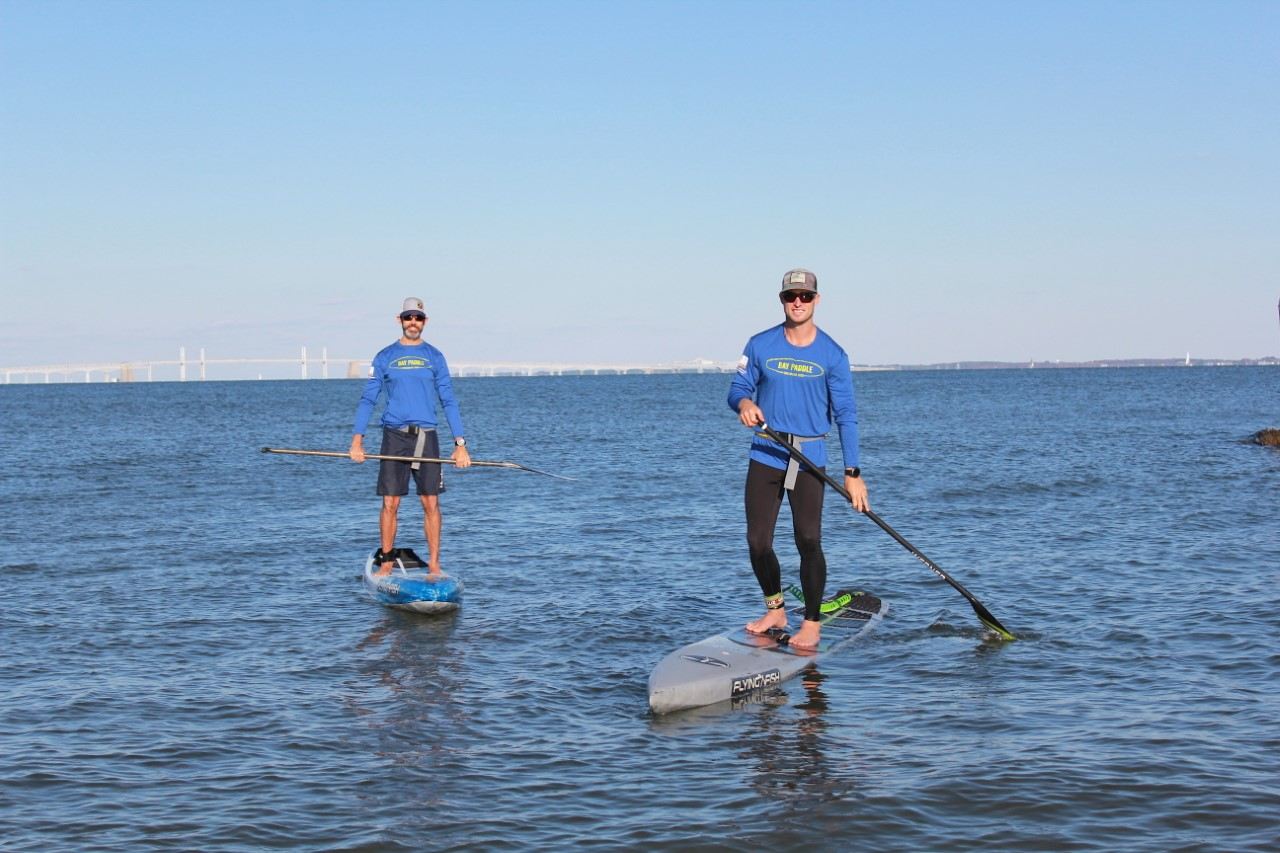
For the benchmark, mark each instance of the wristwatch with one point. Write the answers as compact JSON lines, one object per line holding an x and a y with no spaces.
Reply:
{"x":855,"y":473}
{"x":460,"y":442}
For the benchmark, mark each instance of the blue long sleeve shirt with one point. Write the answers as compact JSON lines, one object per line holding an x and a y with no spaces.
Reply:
{"x":801,"y":391}
{"x":416,"y":380}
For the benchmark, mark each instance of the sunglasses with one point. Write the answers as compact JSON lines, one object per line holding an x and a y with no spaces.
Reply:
{"x":805,"y":296}
{"x":416,"y":318}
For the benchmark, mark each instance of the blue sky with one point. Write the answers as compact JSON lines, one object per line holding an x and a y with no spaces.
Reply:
{"x":617,"y":181}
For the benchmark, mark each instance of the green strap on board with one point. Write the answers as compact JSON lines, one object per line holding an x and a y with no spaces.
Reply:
{"x":831,"y":605}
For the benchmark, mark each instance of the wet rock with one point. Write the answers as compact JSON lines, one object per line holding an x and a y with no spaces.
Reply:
{"x":1269,"y":437}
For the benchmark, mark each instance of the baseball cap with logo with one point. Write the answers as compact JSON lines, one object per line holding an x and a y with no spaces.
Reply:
{"x":799,"y":279}
{"x":412,"y":305}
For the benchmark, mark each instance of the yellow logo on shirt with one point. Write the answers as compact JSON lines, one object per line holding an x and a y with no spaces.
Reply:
{"x":410,"y":362}
{"x":795,"y":367}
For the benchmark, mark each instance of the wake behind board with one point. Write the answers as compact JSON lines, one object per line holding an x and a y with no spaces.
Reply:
{"x":410,"y":587}
{"x":738,"y":663}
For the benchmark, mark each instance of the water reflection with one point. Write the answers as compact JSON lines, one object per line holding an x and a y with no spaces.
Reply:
{"x":405,"y":694}
{"x":790,"y":751}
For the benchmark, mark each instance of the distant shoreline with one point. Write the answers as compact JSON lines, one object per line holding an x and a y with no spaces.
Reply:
{"x":194,"y":371}
{"x":1266,"y":361}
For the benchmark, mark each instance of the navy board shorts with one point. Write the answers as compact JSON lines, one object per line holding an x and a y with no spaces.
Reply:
{"x":393,"y":477}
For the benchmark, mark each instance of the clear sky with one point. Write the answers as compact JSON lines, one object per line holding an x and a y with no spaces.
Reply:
{"x":615,"y":181}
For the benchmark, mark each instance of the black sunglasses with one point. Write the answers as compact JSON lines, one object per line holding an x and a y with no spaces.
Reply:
{"x":805,"y":296}
{"x":417,"y":317}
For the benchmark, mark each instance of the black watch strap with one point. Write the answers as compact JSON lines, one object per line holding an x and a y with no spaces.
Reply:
{"x":855,"y":473}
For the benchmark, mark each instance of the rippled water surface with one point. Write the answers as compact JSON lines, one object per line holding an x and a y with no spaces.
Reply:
{"x":188,"y":660}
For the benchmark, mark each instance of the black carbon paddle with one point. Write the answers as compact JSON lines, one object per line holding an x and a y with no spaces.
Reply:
{"x":984,"y":615}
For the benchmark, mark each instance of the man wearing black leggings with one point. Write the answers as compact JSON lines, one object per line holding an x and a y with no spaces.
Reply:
{"x":796,"y":378}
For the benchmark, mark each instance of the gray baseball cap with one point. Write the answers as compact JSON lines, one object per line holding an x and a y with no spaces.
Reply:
{"x":413,"y":305}
{"x":799,"y":279}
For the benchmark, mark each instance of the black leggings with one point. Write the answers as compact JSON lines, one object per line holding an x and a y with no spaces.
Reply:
{"x":763,"y":500}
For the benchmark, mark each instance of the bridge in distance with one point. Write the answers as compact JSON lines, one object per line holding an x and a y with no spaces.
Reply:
{"x":183,"y":369}
{"x":202,"y":368}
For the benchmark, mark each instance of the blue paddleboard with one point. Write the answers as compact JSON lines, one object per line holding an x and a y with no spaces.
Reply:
{"x":409,"y":586}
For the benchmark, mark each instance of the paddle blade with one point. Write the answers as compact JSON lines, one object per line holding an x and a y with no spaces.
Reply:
{"x":544,"y":473}
{"x":985,"y":617}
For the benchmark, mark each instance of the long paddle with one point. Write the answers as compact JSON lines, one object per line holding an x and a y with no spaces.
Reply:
{"x":984,"y":615}
{"x":338,"y":455}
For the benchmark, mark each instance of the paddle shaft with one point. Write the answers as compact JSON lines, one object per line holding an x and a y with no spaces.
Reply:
{"x":984,"y":615}
{"x":334,"y":454}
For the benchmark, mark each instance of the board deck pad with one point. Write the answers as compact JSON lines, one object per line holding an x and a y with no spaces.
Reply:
{"x":737,"y":663}
{"x":837,"y":626}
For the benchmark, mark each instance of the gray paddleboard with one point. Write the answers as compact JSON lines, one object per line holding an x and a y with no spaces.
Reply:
{"x":738,"y":664}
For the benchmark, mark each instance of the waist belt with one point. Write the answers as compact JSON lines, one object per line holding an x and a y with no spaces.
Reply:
{"x":414,"y":430}
{"x":420,"y":444}
{"x":793,"y":467}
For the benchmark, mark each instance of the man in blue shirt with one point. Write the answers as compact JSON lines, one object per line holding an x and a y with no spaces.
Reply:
{"x":796,"y":378}
{"x":415,"y":376}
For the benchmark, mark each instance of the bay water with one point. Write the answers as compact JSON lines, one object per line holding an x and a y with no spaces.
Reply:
{"x":188,"y":661}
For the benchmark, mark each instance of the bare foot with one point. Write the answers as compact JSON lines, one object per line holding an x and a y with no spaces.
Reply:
{"x":434,"y":572}
{"x":770,"y":619}
{"x":385,"y":568}
{"x":808,"y":635}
